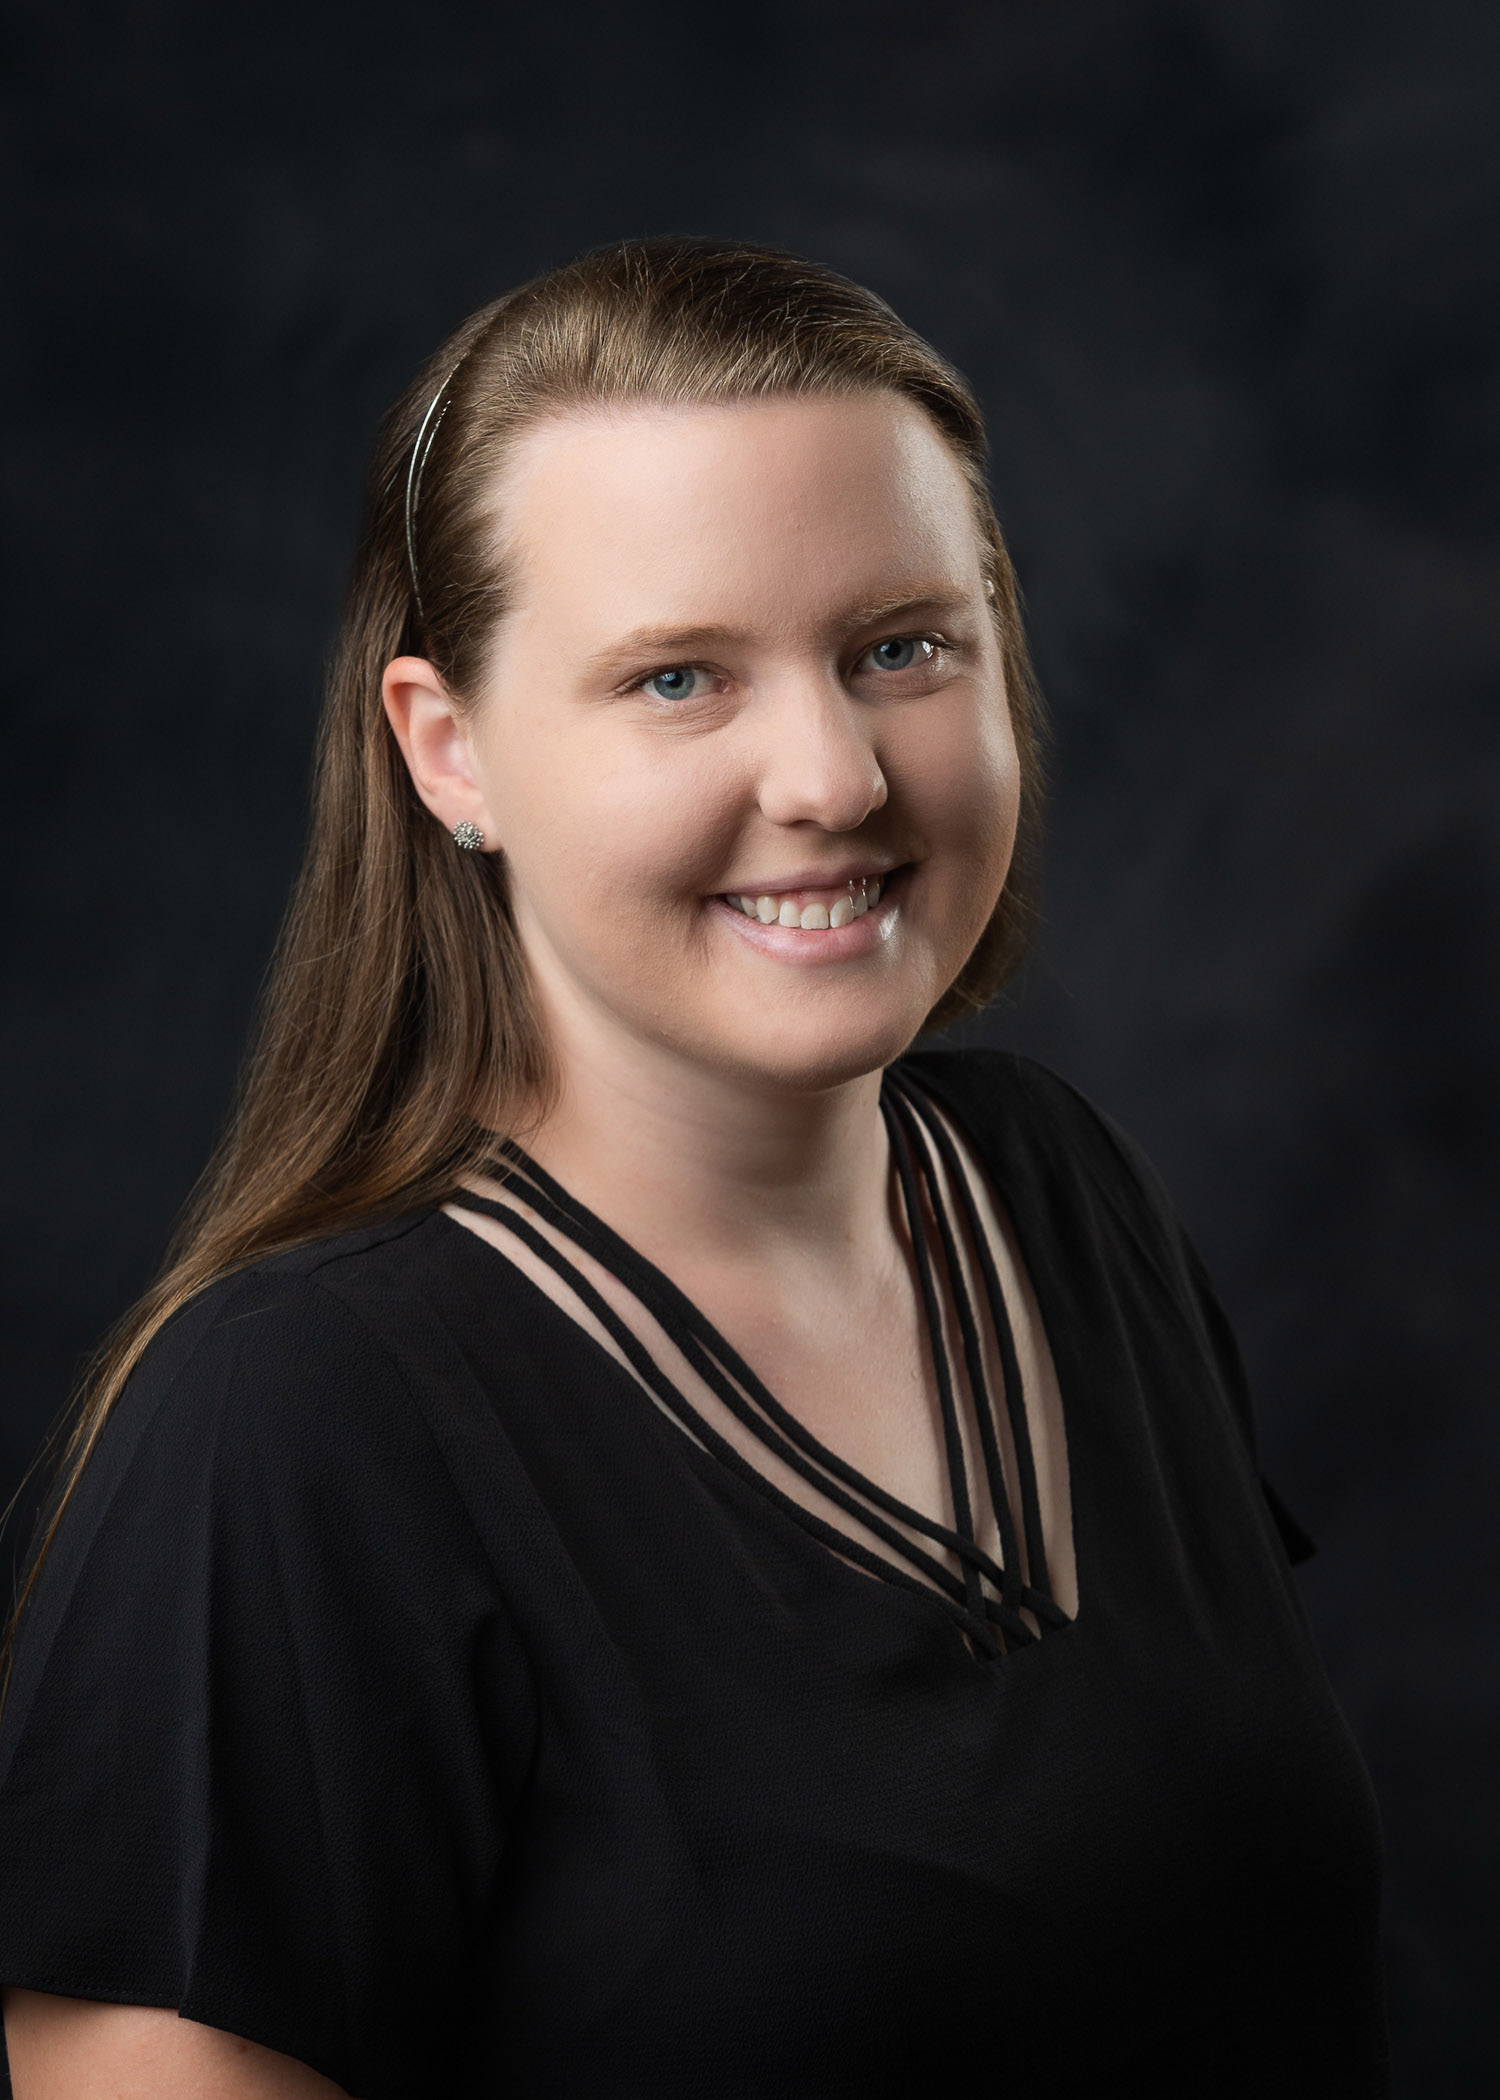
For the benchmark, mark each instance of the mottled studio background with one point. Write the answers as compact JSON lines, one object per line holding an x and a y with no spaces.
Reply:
{"x":1227,"y":277}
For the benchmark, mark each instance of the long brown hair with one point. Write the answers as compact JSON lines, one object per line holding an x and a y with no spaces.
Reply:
{"x":398,"y":999}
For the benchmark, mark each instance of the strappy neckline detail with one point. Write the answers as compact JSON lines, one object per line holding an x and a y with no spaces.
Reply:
{"x":988,"y":1595}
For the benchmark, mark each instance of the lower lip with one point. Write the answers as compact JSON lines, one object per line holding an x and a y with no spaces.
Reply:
{"x":862,"y":936}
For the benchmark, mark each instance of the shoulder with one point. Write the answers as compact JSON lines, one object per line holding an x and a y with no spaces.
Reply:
{"x":282,"y":1326}
{"x":269,"y":1387}
{"x":1002,"y":1087}
{"x":1012,"y":1106}
{"x":1066,"y":1170}
{"x":1071,"y":1175}
{"x":270,"y":1437}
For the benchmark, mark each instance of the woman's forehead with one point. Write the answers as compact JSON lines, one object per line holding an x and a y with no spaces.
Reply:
{"x":740,"y":514}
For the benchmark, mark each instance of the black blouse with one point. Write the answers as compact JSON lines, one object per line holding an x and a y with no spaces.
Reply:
{"x":406,"y":1692}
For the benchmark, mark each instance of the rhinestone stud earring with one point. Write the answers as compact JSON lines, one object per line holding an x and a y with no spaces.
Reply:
{"x":468,"y":835}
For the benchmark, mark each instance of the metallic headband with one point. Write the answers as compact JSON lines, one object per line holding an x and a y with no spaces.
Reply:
{"x":427,"y":430}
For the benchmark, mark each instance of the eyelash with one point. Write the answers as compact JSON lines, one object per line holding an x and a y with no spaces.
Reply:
{"x":936,"y":642}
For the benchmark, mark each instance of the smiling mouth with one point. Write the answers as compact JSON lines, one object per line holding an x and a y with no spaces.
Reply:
{"x":814,"y":910}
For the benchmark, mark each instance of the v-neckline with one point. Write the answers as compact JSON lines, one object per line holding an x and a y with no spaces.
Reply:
{"x":990,"y":1621}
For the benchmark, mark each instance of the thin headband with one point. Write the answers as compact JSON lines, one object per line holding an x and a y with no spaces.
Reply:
{"x":415,"y":471}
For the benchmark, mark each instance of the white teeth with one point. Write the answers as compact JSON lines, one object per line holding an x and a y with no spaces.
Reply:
{"x":810,"y":918}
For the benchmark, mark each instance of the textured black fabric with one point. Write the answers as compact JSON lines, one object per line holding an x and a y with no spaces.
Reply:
{"x":407,"y":1693}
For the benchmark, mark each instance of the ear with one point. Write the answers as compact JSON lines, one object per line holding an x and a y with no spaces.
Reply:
{"x":434,"y":739}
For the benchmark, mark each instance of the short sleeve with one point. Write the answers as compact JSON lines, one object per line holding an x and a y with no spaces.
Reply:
{"x":268,"y":1713}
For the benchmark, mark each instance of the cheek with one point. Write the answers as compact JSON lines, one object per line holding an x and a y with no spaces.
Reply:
{"x":589,"y":824}
{"x":961,"y":774}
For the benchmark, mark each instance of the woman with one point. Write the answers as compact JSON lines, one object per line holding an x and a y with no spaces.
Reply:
{"x":651,"y":1542}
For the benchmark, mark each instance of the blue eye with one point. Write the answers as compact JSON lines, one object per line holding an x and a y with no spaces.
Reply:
{"x":680,"y":683}
{"x":899,"y":653}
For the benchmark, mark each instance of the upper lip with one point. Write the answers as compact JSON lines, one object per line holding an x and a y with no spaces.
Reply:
{"x":812,"y":879}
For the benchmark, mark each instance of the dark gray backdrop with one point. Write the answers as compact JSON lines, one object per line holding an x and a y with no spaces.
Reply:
{"x":1225,"y":274}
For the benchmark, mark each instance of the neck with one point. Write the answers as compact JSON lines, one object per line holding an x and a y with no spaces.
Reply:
{"x":680,"y":1158}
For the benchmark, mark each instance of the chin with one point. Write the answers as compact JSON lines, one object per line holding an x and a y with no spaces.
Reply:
{"x":811,"y":1053}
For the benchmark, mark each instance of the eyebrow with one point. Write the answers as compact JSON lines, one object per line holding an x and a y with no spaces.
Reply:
{"x":664,"y":644}
{"x":660,"y":644}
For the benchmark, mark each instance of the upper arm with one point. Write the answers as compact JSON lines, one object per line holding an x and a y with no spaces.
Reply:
{"x":75,"y":2049}
{"x":269,"y":1714}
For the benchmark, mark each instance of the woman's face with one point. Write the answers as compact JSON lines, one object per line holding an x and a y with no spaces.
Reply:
{"x":743,"y":738}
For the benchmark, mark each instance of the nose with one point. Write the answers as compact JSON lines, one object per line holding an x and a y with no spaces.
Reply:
{"x":817,"y":759}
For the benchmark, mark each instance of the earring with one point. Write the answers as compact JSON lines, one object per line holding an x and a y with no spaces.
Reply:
{"x":468,"y":835}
